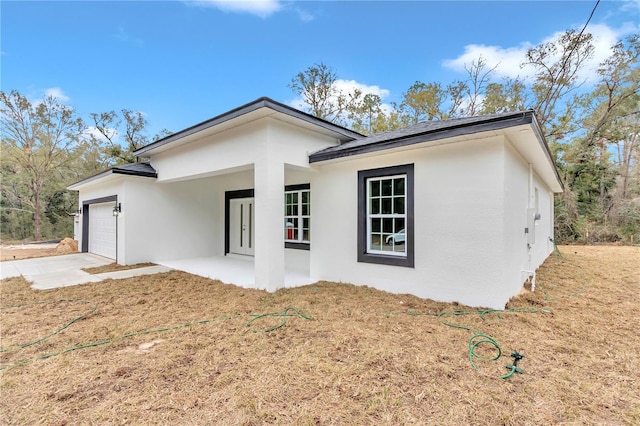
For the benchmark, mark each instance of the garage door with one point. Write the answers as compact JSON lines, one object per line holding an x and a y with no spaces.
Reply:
{"x":102,"y":230}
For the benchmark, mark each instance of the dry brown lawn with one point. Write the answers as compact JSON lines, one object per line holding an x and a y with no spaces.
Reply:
{"x":27,"y":252}
{"x":114,"y":267}
{"x":366,"y":357}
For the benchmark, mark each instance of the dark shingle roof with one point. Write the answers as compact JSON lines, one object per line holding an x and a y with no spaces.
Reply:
{"x":135,"y":169}
{"x":342,"y":133}
{"x":143,"y":169}
{"x":424,"y":132}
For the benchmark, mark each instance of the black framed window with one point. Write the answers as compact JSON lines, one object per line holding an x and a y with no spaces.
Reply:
{"x":385,"y":216}
{"x":297,"y":216}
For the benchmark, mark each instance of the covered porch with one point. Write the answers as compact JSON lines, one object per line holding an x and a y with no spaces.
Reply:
{"x":240,"y":270}
{"x":220,"y":186}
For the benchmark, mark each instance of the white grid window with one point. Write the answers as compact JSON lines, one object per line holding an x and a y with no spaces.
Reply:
{"x":297,"y":216}
{"x":386,"y":215}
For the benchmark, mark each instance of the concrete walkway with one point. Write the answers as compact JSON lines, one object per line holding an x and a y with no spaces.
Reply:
{"x":62,"y":271}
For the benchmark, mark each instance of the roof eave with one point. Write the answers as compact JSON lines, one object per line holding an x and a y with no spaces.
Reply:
{"x":113,"y":171}
{"x":545,"y":147}
{"x":76,"y":186}
{"x":264,"y":102}
{"x":428,"y":136}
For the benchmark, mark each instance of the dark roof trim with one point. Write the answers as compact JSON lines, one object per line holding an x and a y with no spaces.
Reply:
{"x":117,"y":171}
{"x":545,"y":147}
{"x":262,"y":102}
{"x":135,"y":169}
{"x":454,"y":130}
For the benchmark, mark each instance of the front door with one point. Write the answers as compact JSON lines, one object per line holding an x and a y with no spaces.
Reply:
{"x":241,"y":226}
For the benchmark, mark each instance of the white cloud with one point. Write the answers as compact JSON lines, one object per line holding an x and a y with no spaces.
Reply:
{"x":348,"y":86}
{"x":351,"y":85}
{"x":632,"y":6}
{"x":56,"y":93}
{"x":261,"y":8}
{"x":122,"y":35}
{"x":93,"y":131}
{"x":304,"y":15}
{"x":507,"y":60}
{"x":604,"y":38}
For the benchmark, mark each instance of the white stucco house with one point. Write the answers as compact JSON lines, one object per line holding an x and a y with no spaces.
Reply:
{"x":266,"y":196}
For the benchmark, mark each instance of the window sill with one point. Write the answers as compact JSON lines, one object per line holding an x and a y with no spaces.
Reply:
{"x":297,"y":246}
{"x":381,"y":259}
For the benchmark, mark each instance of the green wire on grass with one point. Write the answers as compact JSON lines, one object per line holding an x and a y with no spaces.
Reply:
{"x":108,"y":341}
{"x":59,"y":330}
{"x":480,"y":338}
{"x":474,"y":343}
{"x":286,"y":313}
{"x":282,"y":315}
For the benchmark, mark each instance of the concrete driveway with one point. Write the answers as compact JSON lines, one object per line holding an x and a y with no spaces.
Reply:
{"x":62,"y":271}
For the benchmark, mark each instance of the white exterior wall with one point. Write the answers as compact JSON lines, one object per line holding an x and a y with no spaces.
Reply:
{"x":239,"y":148}
{"x":295,"y":259}
{"x":178,"y":220}
{"x":520,"y":256}
{"x":458,"y":212}
{"x":167,"y":221}
{"x":275,"y":153}
{"x":470,"y":206}
{"x":113,"y":186}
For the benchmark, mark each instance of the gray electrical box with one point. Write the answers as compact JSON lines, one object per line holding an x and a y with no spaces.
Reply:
{"x":532,"y":215}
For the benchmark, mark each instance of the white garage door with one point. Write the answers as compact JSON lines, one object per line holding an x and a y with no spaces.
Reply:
{"x":102,"y":230}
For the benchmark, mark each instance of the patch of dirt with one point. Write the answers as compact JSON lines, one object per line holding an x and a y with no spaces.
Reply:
{"x":26,"y":252}
{"x":67,"y":246}
{"x":365,"y":356}
{"x":114,"y":267}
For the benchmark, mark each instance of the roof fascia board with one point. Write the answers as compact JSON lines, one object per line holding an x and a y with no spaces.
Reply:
{"x":429,"y":136}
{"x":134,"y":173}
{"x":545,"y":147}
{"x":74,"y":186}
{"x":245,"y":109}
{"x":107,"y":173}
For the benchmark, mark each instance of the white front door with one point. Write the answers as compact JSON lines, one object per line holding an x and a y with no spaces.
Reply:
{"x":241,"y":226}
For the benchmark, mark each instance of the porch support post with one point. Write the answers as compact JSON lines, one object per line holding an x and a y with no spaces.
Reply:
{"x":269,"y":220}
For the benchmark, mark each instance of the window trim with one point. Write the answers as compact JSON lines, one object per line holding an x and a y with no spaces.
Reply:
{"x":381,"y":215}
{"x":299,"y":245}
{"x":396,"y":260}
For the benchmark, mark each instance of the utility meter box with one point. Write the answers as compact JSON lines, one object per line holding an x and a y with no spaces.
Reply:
{"x":532,"y":216}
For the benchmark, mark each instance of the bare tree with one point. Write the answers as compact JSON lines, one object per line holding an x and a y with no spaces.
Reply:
{"x":317,"y":86}
{"x":479,"y":76}
{"x":37,"y":140}
{"x":556,"y":65}
{"x":130,"y":127}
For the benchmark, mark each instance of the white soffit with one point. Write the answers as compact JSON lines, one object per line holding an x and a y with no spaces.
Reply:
{"x":524,"y":140}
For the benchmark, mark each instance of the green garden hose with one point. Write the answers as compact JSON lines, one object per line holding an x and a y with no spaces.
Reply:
{"x":41,"y":339}
{"x":286,"y":313}
{"x":282,"y":315}
{"x":480,"y":338}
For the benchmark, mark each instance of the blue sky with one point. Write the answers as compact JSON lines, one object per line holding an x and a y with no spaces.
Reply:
{"x":182,"y":62}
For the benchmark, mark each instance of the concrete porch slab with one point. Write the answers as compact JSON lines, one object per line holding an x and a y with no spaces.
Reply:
{"x":233,"y":269}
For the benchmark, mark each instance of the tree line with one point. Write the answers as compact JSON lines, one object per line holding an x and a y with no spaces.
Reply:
{"x":593,"y":135}
{"x":47,"y":146}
